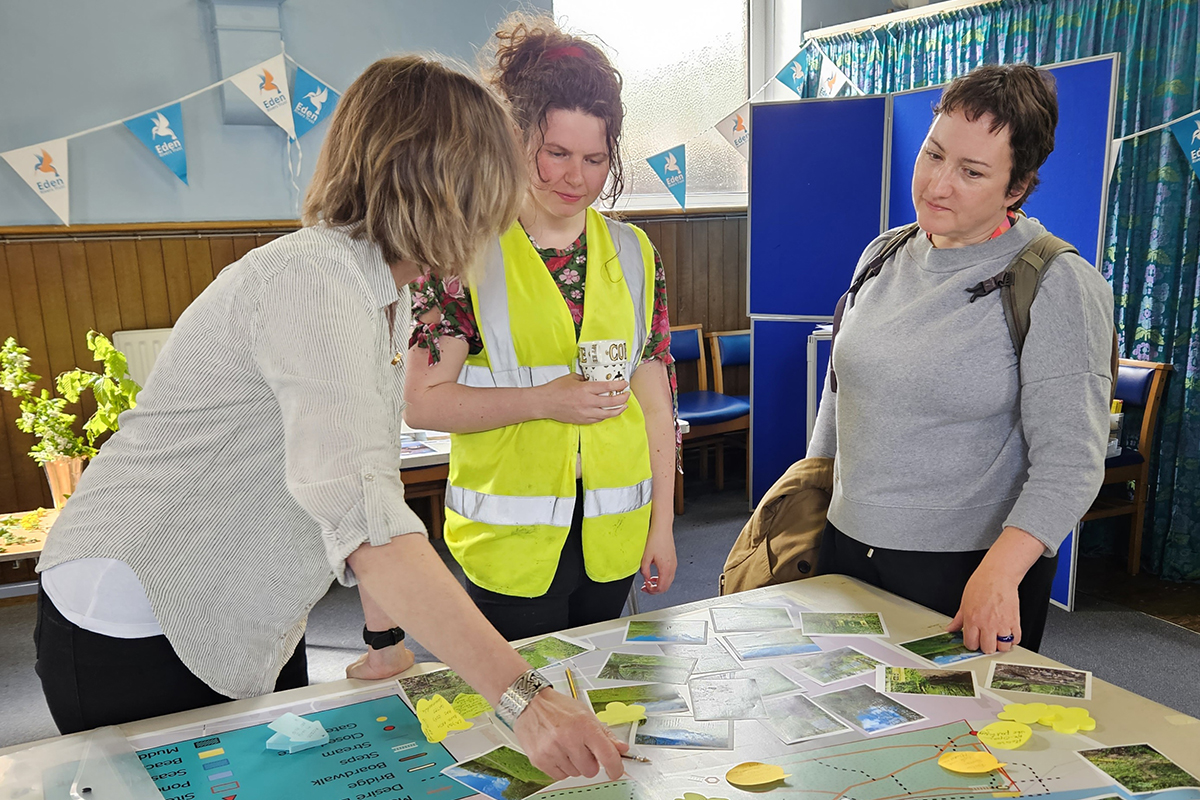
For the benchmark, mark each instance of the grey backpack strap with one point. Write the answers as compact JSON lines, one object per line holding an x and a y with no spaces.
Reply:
{"x":1019,"y":283}
{"x":872,"y":269}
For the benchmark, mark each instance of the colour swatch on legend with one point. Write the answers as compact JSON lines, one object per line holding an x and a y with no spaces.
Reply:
{"x":375,"y":747}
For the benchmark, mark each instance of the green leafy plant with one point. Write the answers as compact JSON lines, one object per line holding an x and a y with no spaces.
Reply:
{"x":114,"y":391}
{"x":45,"y":416}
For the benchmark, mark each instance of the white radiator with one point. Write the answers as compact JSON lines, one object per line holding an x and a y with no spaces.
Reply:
{"x":140,"y":348}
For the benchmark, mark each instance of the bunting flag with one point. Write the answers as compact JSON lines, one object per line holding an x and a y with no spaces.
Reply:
{"x":671,"y":168}
{"x":44,"y":168}
{"x":834,"y":82}
{"x":162,"y":131}
{"x":266,"y":86}
{"x":1114,"y":153}
{"x":736,"y":130}
{"x":1187,"y":131}
{"x":795,"y":71}
{"x":314,"y":101}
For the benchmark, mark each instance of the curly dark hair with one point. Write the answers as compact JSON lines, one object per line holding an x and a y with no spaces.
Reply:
{"x":1020,"y":99}
{"x":538,"y":67}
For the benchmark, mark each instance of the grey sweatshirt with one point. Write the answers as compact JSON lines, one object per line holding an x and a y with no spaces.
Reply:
{"x":939,"y":440}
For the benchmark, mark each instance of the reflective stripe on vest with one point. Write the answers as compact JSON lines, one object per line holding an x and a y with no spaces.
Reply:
{"x":492,"y":297}
{"x":494,"y":509}
{"x":519,"y":378}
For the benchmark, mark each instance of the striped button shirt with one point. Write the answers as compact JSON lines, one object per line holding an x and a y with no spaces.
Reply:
{"x":264,"y":449}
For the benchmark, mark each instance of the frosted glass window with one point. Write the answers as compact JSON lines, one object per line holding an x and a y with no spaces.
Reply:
{"x":685,"y":68}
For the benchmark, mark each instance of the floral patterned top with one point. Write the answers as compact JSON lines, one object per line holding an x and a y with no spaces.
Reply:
{"x":569,"y":268}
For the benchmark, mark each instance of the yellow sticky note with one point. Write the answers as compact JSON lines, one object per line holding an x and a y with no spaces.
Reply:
{"x":1025,"y":713}
{"x":696,"y":796}
{"x":1005,"y":735}
{"x":470,"y":705}
{"x":617,"y":713}
{"x":438,"y":718}
{"x":754,"y":773}
{"x":970,"y":762}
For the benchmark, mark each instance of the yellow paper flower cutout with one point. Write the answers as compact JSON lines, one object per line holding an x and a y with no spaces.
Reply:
{"x":1074,"y":720}
{"x":1025,"y":713}
{"x":618,"y":713}
{"x":696,"y":796}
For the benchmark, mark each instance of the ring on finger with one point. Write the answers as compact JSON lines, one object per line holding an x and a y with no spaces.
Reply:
{"x":1006,"y":639}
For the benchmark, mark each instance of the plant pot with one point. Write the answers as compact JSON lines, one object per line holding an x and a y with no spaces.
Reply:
{"x":63,"y":476}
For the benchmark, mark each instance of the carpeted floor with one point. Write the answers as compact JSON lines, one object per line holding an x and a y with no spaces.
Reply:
{"x":1146,"y":655}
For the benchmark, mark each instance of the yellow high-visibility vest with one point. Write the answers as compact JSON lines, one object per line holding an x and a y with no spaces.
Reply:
{"x":512,"y":490}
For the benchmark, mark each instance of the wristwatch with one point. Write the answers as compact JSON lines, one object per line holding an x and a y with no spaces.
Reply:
{"x":516,"y":698}
{"x":381,"y":639}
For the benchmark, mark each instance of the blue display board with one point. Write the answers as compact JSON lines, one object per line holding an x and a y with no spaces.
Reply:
{"x":1071,"y":199}
{"x":376,"y":749}
{"x":777,"y":400}
{"x":816,"y":184}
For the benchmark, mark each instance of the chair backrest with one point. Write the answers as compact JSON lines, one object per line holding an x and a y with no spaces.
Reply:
{"x":729,"y":349}
{"x":1143,"y":384}
{"x":687,"y":346}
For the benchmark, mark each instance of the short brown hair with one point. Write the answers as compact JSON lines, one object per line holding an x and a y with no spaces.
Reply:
{"x":540,"y":67}
{"x":1019,"y":98}
{"x":421,"y":160}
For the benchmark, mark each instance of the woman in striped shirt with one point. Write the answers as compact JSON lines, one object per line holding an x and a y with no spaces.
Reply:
{"x":262,"y":460}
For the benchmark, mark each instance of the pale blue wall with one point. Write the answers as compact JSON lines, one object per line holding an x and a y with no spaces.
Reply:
{"x":68,"y":65}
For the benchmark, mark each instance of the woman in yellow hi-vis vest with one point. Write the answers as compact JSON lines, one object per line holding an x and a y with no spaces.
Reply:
{"x":560,"y":489}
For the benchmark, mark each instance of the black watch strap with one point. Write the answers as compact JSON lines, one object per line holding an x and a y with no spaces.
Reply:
{"x":381,"y":639}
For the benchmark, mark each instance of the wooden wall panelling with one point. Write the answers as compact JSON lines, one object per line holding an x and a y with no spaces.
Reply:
{"x":130,"y":300}
{"x":104,"y":287}
{"x":15,"y":489}
{"x":221,"y":254}
{"x":155,"y":296}
{"x":199,"y":258}
{"x":243,"y":245}
{"x":179,"y":283}
{"x":81,"y":314}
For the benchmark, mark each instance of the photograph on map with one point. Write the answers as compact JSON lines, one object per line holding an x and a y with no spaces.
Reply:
{"x":835,"y":665}
{"x":736,"y":698}
{"x":711,"y":657}
{"x":646,"y":667}
{"x":690,"y":631}
{"x":1052,"y":681}
{"x":551,"y":650}
{"x":685,"y":732}
{"x":868,"y":709}
{"x":848,"y":623}
{"x":795,"y":718}
{"x":1139,"y":768}
{"x":749,"y":646}
{"x":733,"y":619}
{"x":656,"y":698}
{"x":919,"y":680}
{"x":501,"y":774}
{"x":770,"y":681}
{"x":942,"y":649}
{"x":445,"y":682}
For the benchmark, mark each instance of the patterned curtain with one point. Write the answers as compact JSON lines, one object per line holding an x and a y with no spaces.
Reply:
{"x":1152,"y":257}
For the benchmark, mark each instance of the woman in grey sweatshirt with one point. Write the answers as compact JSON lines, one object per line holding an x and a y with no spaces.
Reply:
{"x":958,"y":470}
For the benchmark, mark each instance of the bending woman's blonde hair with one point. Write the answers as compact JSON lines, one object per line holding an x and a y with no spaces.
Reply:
{"x":421,"y":160}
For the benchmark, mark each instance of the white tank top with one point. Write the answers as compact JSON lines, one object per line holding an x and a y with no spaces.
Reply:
{"x":101,"y":595}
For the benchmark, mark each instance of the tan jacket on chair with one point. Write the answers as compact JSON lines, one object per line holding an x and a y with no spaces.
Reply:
{"x":781,"y":541}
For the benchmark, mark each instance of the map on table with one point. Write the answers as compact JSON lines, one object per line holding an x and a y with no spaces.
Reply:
{"x":376,"y":749}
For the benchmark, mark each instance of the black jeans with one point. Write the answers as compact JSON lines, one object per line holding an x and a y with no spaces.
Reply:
{"x":935,"y":580}
{"x":573,"y":598}
{"x":91,"y":680}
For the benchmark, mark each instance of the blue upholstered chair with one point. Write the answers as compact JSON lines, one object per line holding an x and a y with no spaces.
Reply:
{"x":1140,"y":384}
{"x":710,"y":414}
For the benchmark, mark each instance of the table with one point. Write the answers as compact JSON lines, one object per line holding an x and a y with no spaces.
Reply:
{"x":1123,"y":716}
{"x":14,"y":554}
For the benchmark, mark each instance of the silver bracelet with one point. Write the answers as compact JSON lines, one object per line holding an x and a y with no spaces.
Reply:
{"x":516,"y":697}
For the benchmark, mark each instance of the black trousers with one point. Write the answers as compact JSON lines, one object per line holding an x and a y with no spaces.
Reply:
{"x":91,"y":680}
{"x":573,"y":598}
{"x":935,"y":580}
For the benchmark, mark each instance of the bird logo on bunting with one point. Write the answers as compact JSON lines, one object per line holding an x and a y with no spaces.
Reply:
{"x":795,"y":71}
{"x":43,"y":167}
{"x":162,"y":133}
{"x":736,"y":131}
{"x":266,"y":87}
{"x":671,"y":168}
{"x":1187,"y":132}
{"x":315,"y":101}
